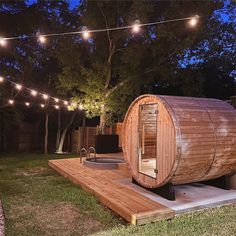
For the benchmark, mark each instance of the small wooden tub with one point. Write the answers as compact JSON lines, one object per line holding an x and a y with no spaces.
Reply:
{"x":179,"y":140}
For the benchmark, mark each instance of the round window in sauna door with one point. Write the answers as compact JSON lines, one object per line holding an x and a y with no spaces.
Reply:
{"x":147,"y":148}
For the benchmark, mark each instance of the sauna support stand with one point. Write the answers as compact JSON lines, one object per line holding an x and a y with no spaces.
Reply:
{"x":167,"y":191}
{"x":221,"y":182}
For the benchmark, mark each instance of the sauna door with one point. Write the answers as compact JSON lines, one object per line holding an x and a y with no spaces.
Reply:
{"x":147,"y":139}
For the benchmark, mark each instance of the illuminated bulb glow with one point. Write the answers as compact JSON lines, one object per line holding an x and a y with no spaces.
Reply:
{"x":27,"y":104}
{"x":56,"y":106}
{"x":1,"y":79}
{"x":56,"y":99}
{"x":81,"y":107}
{"x":193,"y":21}
{"x":136,"y":28}
{"x":3,"y":42}
{"x":45,"y":96}
{"x":42,"y":105}
{"x":18,"y":86}
{"x":86,"y":34}
{"x":42,"y":39}
{"x":65,"y":103}
{"x":11,"y":102}
{"x":33,"y":92}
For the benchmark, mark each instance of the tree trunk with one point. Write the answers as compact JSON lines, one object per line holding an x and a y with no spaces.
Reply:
{"x":62,"y":139}
{"x":36,"y":135}
{"x":46,"y":133}
{"x":58,"y":129}
{"x":82,"y":133}
{"x":102,"y":124}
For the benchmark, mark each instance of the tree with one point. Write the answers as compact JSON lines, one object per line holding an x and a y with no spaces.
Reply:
{"x":108,"y":71}
{"x":25,"y":60}
{"x":212,"y":59}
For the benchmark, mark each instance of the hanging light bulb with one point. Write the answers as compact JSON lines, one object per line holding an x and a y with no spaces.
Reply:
{"x":42,"y":39}
{"x":33,"y":92}
{"x":3,"y":42}
{"x":56,"y":99}
{"x":27,"y":104}
{"x":42,"y":105}
{"x":10,"y":101}
{"x":85,"y":33}
{"x":56,"y":107}
{"x":18,"y":87}
{"x":193,"y":21}
{"x":45,"y":96}
{"x":1,"y":79}
{"x":136,"y":26}
{"x":65,"y":103}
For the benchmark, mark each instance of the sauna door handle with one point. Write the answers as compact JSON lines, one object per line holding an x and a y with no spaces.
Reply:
{"x":143,"y":139}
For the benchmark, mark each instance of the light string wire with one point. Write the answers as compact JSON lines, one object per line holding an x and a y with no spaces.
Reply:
{"x":33,"y":92}
{"x":57,"y":100}
{"x":11,"y":102}
{"x":100,"y":30}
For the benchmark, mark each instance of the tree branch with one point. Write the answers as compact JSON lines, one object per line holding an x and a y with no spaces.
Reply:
{"x":115,"y":88}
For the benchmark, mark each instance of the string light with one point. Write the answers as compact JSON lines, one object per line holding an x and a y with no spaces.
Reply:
{"x":34,"y":93}
{"x":28,"y":104}
{"x":136,"y":26}
{"x":85,"y":33}
{"x":10,"y":101}
{"x":42,"y":39}
{"x":18,"y":87}
{"x":193,"y":21}
{"x":81,"y":107}
{"x":3,"y":42}
{"x":45,"y":96}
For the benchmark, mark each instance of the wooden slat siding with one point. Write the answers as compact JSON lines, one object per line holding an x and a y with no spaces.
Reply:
{"x":204,"y":130}
{"x":106,"y":186}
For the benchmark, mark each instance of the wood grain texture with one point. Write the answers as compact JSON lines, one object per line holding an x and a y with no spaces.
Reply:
{"x":107,"y":187}
{"x":196,"y":139}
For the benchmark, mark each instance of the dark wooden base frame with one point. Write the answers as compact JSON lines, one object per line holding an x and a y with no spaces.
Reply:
{"x":221,"y":182}
{"x":167,"y":191}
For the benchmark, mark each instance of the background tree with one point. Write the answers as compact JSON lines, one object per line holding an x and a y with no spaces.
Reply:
{"x":25,"y":60}
{"x":110,"y":69}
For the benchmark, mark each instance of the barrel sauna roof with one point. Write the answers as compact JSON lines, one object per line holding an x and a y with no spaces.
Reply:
{"x":195,"y":139}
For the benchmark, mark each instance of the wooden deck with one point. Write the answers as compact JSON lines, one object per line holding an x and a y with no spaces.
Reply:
{"x":107,"y":186}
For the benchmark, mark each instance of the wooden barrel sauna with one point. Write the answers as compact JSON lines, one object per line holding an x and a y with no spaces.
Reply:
{"x":179,"y":140}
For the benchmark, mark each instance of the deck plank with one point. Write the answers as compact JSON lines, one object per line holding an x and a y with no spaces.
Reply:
{"x":107,"y":186}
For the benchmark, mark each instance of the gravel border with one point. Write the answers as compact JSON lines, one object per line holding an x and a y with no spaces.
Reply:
{"x":2,"y":221}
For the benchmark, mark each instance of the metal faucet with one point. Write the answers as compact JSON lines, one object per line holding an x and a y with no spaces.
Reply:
{"x":92,"y":150}
{"x":83,"y":151}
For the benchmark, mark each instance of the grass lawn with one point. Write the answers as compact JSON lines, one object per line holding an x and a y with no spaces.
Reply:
{"x":38,"y":201}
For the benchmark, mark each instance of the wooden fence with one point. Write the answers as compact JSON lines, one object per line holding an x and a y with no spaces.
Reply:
{"x":85,"y":137}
